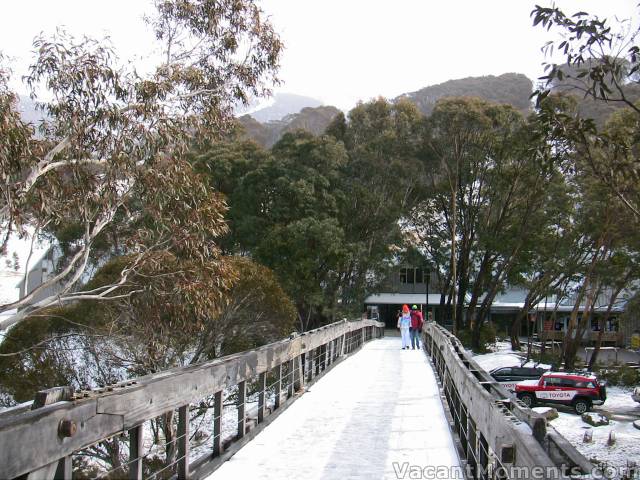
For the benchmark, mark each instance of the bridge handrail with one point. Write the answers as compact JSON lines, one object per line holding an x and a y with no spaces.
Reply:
{"x":491,"y":423}
{"x":46,"y":437}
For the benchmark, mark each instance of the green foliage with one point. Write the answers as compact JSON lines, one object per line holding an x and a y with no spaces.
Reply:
{"x":91,"y":343}
{"x":107,"y":174}
{"x":322,"y":212}
{"x":601,"y":59}
{"x":258,"y":310}
{"x":620,"y":376}
{"x":508,"y":89}
{"x":487,"y":337}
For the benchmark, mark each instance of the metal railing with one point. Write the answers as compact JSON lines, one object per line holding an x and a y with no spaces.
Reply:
{"x":233,"y":396}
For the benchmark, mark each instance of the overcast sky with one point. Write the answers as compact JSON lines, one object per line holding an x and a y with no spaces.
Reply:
{"x":338,"y":51}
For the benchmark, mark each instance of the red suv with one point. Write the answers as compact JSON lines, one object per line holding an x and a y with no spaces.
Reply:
{"x":581,"y":391}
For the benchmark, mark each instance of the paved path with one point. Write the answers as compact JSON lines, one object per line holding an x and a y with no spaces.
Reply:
{"x":378,"y":408}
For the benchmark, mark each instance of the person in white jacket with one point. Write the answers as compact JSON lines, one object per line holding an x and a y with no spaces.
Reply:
{"x":404,"y":323}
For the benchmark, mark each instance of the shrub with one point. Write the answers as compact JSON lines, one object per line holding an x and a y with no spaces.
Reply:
{"x":487,"y":336}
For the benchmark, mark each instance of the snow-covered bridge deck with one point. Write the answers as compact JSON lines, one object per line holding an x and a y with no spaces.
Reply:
{"x":374,"y":415}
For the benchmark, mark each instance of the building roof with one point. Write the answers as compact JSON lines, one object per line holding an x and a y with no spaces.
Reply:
{"x":511,"y":301}
{"x":402,"y":298}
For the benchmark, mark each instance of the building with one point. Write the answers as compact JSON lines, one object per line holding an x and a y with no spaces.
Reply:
{"x":407,"y":285}
{"x":548,"y":320}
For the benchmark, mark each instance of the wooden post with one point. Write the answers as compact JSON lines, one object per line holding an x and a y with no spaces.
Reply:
{"x":290,"y":378}
{"x":298,"y":374}
{"x":242,"y":398}
{"x":135,"y":452}
{"x":262,"y":385}
{"x":217,"y":424}
{"x":309,"y":356}
{"x":318,"y":356}
{"x":278,"y":387}
{"x":325,"y":356}
{"x":65,"y":469}
{"x":183,"y":442}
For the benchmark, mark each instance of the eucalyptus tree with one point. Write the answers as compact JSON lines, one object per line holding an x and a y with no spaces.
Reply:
{"x":113,"y":138}
{"x":464,"y":140}
{"x":381,"y":181}
{"x":602,"y":62}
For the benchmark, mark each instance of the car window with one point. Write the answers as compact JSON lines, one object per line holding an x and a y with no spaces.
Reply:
{"x":552,"y":382}
{"x":504,"y":371}
{"x":584,"y":384}
{"x":567,"y":382}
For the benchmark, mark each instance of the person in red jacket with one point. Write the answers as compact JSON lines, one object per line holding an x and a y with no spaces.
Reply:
{"x":416,"y":327}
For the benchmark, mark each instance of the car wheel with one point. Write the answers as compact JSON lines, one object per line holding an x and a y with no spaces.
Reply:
{"x":581,"y":406}
{"x":527,"y":399}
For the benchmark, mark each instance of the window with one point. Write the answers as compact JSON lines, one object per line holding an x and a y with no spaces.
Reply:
{"x":412,"y":275}
{"x":585,"y":384}
{"x":567,"y":382}
{"x":407,"y":275}
{"x":552,"y":382}
{"x":419,"y":278}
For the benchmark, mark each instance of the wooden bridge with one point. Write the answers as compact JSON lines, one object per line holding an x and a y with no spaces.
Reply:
{"x":339,"y":402}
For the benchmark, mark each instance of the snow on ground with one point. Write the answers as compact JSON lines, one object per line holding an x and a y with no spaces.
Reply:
{"x":627,"y":437}
{"x":503,"y":356}
{"x":359,"y":421}
{"x":619,"y":407}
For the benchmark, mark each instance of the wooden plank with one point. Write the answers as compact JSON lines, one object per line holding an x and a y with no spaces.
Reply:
{"x":136,"y":437}
{"x":43,"y":473}
{"x":151,"y":398}
{"x":217,"y":424}
{"x":31,"y":440}
{"x":183,"y":442}
{"x":51,"y":396}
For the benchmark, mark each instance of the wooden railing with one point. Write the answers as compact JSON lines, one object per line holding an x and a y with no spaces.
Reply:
{"x":40,"y":439}
{"x":498,"y":436}
{"x":615,"y":338}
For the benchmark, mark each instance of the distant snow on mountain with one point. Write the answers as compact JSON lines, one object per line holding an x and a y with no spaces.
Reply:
{"x":281,"y":105}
